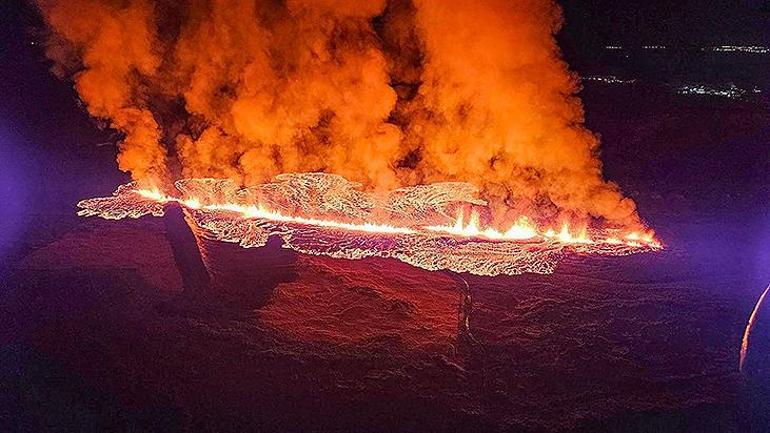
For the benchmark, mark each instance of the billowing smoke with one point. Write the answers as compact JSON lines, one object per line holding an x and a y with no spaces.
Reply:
{"x":388,"y":93}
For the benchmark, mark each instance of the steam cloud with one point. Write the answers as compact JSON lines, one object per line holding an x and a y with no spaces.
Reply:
{"x":388,"y":93}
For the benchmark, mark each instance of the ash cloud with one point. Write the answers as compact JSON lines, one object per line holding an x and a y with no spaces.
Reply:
{"x":387,"y":93}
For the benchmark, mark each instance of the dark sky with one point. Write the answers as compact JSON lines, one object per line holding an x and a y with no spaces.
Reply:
{"x":675,"y":22}
{"x":653,"y":21}
{"x":594,"y":23}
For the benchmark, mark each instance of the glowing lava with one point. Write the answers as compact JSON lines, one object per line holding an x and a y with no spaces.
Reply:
{"x":325,"y":214}
{"x":749,"y":327}
{"x":522,"y":229}
{"x":259,"y":212}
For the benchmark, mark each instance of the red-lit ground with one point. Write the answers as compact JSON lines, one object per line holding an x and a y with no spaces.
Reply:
{"x":276,"y":340}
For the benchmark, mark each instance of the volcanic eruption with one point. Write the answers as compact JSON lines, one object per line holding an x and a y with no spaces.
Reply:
{"x":445,"y":134}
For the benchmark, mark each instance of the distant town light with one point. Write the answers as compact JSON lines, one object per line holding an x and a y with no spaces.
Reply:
{"x":608,"y":79}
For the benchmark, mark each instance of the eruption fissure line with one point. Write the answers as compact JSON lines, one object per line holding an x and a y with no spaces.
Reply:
{"x":325,"y":214}
{"x":522,"y":230}
{"x":259,"y":212}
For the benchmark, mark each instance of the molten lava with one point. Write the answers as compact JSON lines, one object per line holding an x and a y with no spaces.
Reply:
{"x":325,"y":214}
{"x":260,"y":213}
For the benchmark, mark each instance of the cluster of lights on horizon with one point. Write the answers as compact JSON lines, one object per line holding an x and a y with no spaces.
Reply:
{"x":608,"y":79}
{"x":748,"y":49}
{"x":751,"y":49}
{"x":730,"y":91}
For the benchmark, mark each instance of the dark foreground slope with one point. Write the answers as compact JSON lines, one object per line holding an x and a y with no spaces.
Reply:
{"x":103,"y":332}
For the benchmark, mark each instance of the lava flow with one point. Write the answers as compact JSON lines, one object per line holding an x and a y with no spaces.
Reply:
{"x":378,"y":92}
{"x":325,"y":214}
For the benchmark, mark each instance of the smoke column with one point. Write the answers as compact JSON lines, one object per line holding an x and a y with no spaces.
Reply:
{"x":387,"y":93}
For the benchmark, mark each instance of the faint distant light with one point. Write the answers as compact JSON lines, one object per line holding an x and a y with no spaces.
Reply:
{"x":731,"y":91}
{"x":752,"y":49}
{"x":607,"y":79}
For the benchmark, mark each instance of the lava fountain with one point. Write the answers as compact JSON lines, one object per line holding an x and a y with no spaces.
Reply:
{"x":434,"y":227}
{"x":380,"y":97}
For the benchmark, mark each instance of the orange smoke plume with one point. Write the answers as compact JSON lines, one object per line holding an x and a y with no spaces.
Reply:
{"x":109,"y":51}
{"x":386,"y":93}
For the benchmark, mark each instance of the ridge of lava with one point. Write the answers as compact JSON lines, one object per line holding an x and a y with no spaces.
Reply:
{"x":324,"y":214}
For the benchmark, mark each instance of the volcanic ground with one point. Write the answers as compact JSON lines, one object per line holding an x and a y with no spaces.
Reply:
{"x":118,"y":326}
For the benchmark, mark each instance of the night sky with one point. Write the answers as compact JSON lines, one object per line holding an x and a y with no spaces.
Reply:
{"x":686,"y":22}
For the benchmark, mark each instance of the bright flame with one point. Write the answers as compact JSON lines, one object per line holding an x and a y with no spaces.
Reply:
{"x":153,"y":194}
{"x":646,"y":238}
{"x":258,"y":212}
{"x":522,"y":230}
{"x":329,"y":210}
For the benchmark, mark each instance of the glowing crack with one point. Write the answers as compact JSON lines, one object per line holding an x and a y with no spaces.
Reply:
{"x":434,"y":227}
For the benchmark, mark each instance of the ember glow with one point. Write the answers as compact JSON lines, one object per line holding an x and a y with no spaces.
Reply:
{"x":520,"y":230}
{"x":260,"y":213}
{"x":318,"y":213}
{"x":749,"y":327}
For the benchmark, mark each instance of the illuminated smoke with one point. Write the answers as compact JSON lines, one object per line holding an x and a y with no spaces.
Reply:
{"x":109,"y":51}
{"x":387,"y":93}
